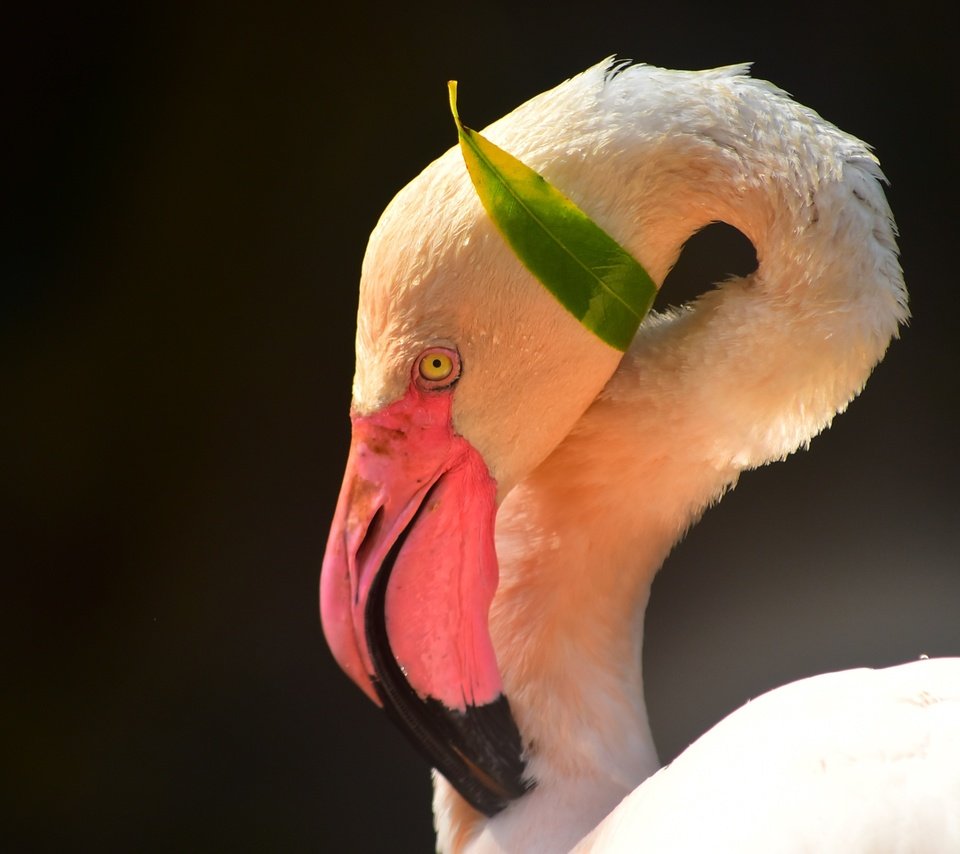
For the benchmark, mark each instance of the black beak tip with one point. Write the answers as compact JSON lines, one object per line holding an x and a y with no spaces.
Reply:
{"x":492,"y":770}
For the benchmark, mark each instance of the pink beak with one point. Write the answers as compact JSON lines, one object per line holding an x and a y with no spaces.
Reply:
{"x":408,"y":577}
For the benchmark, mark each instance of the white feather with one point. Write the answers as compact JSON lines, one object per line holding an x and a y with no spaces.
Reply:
{"x":856,"y":761}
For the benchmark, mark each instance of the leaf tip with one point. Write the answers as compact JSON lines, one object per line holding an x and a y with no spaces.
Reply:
{"x":452,"y":91}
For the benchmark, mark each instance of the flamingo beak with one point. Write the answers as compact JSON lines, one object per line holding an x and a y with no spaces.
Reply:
{"x":405,"y":590}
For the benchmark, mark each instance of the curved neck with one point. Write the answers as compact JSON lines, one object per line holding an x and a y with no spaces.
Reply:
{"x":746,"y":375}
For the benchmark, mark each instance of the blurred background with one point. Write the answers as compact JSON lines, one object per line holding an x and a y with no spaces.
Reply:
{"x":189,"y":192}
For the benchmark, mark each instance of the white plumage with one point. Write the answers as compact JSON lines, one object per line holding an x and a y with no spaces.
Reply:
{"x":854,"y":761}
{"x":602,"y":463}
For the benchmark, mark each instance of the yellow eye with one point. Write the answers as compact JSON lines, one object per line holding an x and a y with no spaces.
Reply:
{"x":438,"y":367}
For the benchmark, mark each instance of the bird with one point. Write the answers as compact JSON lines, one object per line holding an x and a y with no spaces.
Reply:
{"x":514,"y":483}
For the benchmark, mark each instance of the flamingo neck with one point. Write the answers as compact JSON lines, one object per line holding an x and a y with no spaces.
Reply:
{"x":746,"y":375}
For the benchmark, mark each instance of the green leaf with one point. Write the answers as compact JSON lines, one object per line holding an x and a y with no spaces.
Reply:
{"x":594,"y":277}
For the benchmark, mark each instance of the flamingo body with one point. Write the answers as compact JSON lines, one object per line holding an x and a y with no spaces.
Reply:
{"x":857,"y":760}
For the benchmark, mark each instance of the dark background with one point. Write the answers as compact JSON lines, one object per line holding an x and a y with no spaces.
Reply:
{"x":190,"y":188}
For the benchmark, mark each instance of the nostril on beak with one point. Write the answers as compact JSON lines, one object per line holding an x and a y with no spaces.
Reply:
{"x":370,"y":537}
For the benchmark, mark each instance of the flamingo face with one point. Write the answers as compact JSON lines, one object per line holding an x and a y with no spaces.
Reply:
{"x":468,"y":374}
{"x":408,"y":577}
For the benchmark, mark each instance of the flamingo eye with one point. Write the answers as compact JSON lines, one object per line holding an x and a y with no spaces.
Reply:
{"x":438,"y":367}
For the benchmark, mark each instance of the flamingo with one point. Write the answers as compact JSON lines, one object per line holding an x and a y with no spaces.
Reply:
{"x":514,"y":483}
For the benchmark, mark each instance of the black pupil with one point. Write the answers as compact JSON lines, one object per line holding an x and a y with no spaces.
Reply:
{"x":437,"y":363}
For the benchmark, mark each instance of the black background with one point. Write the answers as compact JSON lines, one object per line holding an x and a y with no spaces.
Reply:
{"x":190,"y":188}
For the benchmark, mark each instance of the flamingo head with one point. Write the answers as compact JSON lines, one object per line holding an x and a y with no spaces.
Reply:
{"x":468,"y":374}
